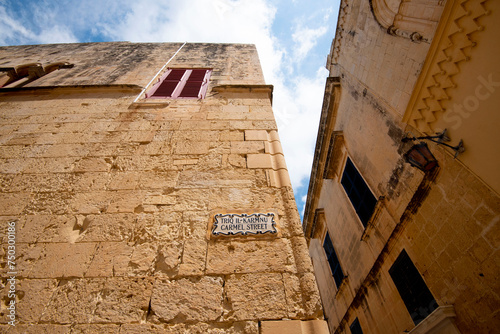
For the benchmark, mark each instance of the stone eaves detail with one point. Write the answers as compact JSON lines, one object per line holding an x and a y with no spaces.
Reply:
{"x":453,"y":49}
{"x":345,"y":9}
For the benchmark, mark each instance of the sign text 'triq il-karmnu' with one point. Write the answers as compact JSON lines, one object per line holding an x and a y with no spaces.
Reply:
{"x":244,"y":224}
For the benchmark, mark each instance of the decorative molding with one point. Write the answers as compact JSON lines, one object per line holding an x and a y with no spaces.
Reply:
{"x":412,"y":19}
{"x":344,"y":11}
{"x":318,"y":223}
{"x":334,"y":157}
{"x":452,"y":46}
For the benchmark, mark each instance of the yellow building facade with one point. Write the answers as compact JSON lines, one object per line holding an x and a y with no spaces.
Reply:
{"x":144,"y":190}
{"x":402,"y":215}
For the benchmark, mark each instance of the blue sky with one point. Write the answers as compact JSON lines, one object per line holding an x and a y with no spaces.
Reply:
{"x":293,"y":38}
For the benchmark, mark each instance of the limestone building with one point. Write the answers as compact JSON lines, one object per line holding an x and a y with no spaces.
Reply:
{"x":403,"y":230}
{"x":144,"y":190}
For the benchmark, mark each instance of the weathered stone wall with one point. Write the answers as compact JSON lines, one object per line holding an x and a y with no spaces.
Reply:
{"x":113,"y":200}
{"x":387,"y":65}
{"x":447,"y":221}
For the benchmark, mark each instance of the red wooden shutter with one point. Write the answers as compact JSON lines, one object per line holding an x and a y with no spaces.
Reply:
{"x":181,"y":83}
{"x":168,"y":85}
{"x":193,"y":84}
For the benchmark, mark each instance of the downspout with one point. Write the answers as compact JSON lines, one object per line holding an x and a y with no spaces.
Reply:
{"x":161,"y":70}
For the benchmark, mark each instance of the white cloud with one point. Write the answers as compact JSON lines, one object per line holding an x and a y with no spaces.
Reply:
{"x":305,"y":39}
{"x":12,"y":29}
{"x":15,"y":31}
{"x":56,"y":34}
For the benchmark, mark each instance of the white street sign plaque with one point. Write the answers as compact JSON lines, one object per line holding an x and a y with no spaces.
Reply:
{"x":244,"y":224}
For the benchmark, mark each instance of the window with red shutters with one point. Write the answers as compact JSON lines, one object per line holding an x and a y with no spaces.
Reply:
{"x":181,"y":83}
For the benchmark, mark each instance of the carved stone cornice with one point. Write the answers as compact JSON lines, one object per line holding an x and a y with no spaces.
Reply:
{"x":452,"y":46}
{"x":344,"y":11}
{"x":413,"y":19}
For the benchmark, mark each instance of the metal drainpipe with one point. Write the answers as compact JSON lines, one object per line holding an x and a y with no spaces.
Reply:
{"x":144,"y":89}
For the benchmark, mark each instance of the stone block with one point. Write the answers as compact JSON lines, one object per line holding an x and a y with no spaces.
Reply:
{"x":283,"y":326}
{"x":63,"y":260}
{"x":139,"y":136}
{"x":38,"y":329}
{"x":191,"y":147}
{"x":111,"y":259}
{"x":95,"y":328}
{"x":237,"y":109}
{"x":90,"y":181}
{"x":157,"y":180}
{"x":193,"y":257}
{"x":182,"y":162}
{"x":274,"y":147}
{"x":259,"y":161}
{"x":46,"y":228}
{"x":74,"y":301}
{"x":124,"y":181}
{"x":188,"y":300}
{"x":99,"y":301}
{"x":90,"y":202}
{"x":125,"y":201}
{"x":13,"y":203}
{"x":255,"y":296}
{"x":256,"y":135}
{"x":142,"y":260}
{"x":278,"y":161}
{"x":301,"y":254}
{"x":92,"y":165}
{"x":294,"y":327}
{"x":14,"y":166}
{"x":232,"y":135}
{"x":123,"y":300}
{"x":273,"y":135}
{"x":42,"y":182}
{"x":226,"y":257}
{"x":169,"y":258}
{"x":26,"y":255}
{"x":255,"y":115}
{"x":159,"y":200}
{"x":128,"y":328}
{"x":107,"y":227}
{"x":303,"y":296}
{"x":49,"y":202}
{"x":195,"y":136}
{"x":244,"y":147}
{"x":33,"y":295}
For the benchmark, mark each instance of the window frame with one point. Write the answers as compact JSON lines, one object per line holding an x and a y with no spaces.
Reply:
{"x":336,"y":269}
{"x":418,"y":299}
{"x":179,"y":88}
{"x":356,"y":180}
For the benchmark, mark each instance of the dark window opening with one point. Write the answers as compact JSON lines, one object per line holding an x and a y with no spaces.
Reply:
{"x":333,"y":261}
{"x":358,"y":192}
{"x":415,"y":294}
{"x":356,"y":327}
